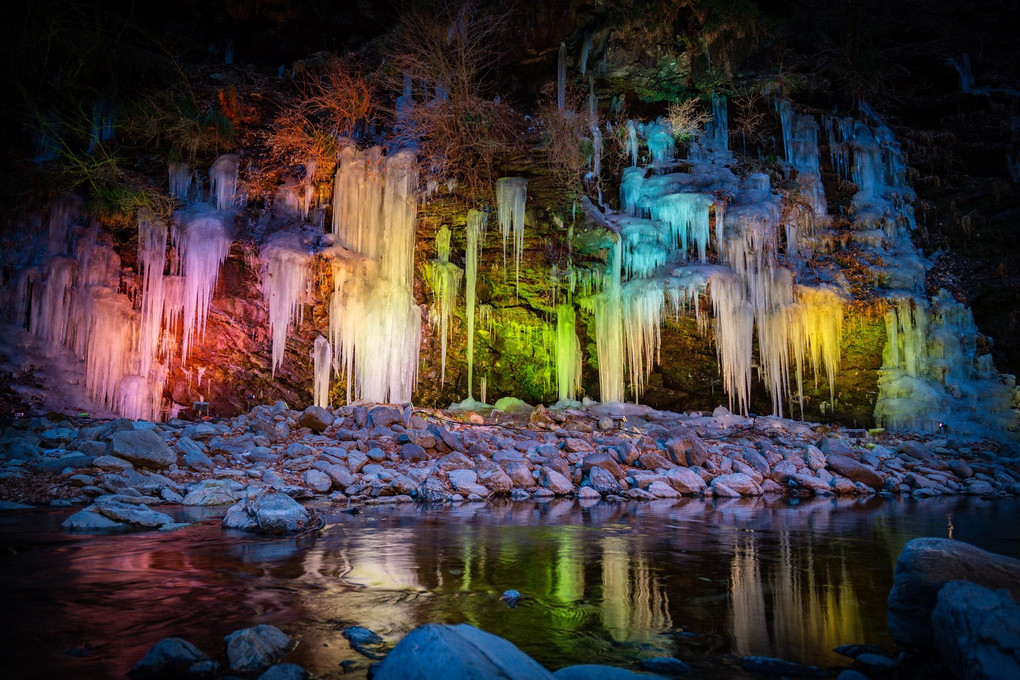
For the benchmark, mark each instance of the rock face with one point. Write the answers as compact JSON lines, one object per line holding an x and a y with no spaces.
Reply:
{"x":925,"y":565}
{"x":271,"y":513}
{"x":441,"y":652}
{"x":144,"y":448}
{"x":251,"y":650}
{"x":977,"y":631}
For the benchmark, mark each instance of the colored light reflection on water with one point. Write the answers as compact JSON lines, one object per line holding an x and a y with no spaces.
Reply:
{"x":607,"y":583}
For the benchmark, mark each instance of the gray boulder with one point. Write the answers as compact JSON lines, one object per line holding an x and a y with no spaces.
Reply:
{"x":440,"y":652}
{"x":285,"y":671}
{"x":316,"y":419}
{"x":90,"y":519}
{"x":555,"y":482}
{"x":213,"y":492}
{"x":977,"y":631}
{"x":273,"y":513}
{"x":144,"y":448}
{"x":854,"y":471}
{"x":925,"y":565}
{"x":133,"y":515}
{"x":168,"y":657}
{"x":318,"y":481}
{"x":603,"y":481}
{"x":198,"y":461}
{"x":735,"y":484}
{"x":251,"y":650}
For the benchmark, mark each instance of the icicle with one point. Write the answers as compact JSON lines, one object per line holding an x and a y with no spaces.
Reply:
{"x":203,"y":244}
{"x":561,"y":78}
{"x":375,"y":324}
{"x":322,"y":362}
{"x":475,"y":231}
{"x":582,"y":61}
{"x":688,"y":220}
{"x":286,"y":263}
{"x":720,"y":123}
{"x":223,"y":181}
{"x":180,"y":180}
{"x":511,"y":196}
{"x":568,"y":353}
{"x":152,"y":240}
{"x":632,"y":143}
{"x":443,"y":278}
{"x":607,"y":307}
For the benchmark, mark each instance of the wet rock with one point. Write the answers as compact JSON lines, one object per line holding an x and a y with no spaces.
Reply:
{"x":855,"y":471}
{"x":318,"y":481}
{"x":170,"y":657}
{"x":432,"y":491}
{"x":667,"y":665}
{"x":602,"y":481}
{"x":855,"y":650}
{"x":284,"y":671}
{"x":875,"y":665}
{"x":735,"y":485}
{"x":338,"y":474}
{"x":316,"y":419}
{"x":466,"y":482}
{"x":979,"y":487}
{"x":213,"y":492}
{"x":783,"y":470}
{"x":686,"y":481}
{"x":251,"y":650}
{"x":136,"y":515}
{"x":493,"y":477}
{"x":851,"y":675}
{"x":299,"y":450}
{"x":977,"y":631}
{"x":834,"y":446}
{"x":441,"y":652}
{"x":961,"y":469}
{"x":90,"y":519}
{"x":511,"y":597}
{"x":780,"y":667}
{"x":555,"y":482}
{"x":144,"y":448}
{"x":925,"y":565}
{"x":198,"y":461}
{"x":662,"y":490}
{"x":385,"y":416}
{"x":273,"y":513}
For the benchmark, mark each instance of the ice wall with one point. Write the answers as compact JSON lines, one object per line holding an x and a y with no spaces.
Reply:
{"x":202,"y":239}
{"x":374,"y":322}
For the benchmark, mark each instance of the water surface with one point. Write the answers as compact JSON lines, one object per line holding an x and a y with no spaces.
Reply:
{"x":604,"y":583}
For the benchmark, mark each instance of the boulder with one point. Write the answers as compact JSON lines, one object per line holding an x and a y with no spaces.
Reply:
{"x":835,"y":446}
{"x":133,"y":515}
{"x":170,"y":657}
{"x":735,"y":484}
{"x":493,"y":477}
{"x":555,"y":482}
{"x":90,"y":519}
{"x":284,"y":671}
{"x":441,"y":652}
{"x":318,"y":481}
{"x":925,"y":565}
{"x":213,"y":492}
{"x":915,"y":449}
{"x":520,"y":474}
{"x":315,"y":418}
{"x":814,"y":458}
{"x":198,"y":461}
{"x":234,"y":446}
{"x":687,"y":450}
{"x":591,"y":671}
{"x":662,"y":490}
{"x":413,"y":453}
{"x":686,"y":481}
{"x":251,"y":650}
{"x":385,"y":416}
{"x":143,"y":448}
{"x":855,"y":471}
{"x":977,"y":631}
{"x":604,"y":461}
{"x":272,"y":512}
{"x":602,"y":481}
{"x":782,"y":470}
{"x":338,"y":474}
{"x":653,"y":461}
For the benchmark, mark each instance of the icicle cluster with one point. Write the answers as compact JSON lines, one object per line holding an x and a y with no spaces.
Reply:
{"x":444,"y":278}
{"x":511,"y":195}
{"x":285,"y":279}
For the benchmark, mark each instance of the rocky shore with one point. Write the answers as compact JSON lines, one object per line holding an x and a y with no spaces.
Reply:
{"x":258,"y":466}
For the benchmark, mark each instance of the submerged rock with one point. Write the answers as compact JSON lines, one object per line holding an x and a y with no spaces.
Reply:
{"x":925,"y":565}
{"x":285,"y":671}
{"x":273,"y":513}
{"x":170,"y":657}
{"x":441,"y":652}
{"x":590,"y":671}
{"x":765,"y":665}
{"x":251,"y":650}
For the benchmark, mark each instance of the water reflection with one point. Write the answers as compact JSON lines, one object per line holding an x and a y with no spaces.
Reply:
{"x":604,"y":583}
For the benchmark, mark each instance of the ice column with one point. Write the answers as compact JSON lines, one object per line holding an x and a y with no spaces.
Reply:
{"x":475,"y":232}
{"x":286,"y":263}
{"x":322,"y":361}
{"x":444,"y":279}
{"x":223,"y":181}
{"x":511,"y":194}
{"x":203,"y":244}
{"x":568,"y":353}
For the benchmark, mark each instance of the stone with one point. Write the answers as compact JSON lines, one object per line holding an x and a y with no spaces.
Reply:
{"x":318,"y":481}
{"x":251,"y":650}
{"x":686,"y":481}
{"x":924,"y":566}
{"x":855,"y":471}
{"x":356,"y":460}
{"x":385,"y":416}
{"x":687,"y":450}
{"x":299,"y":450}
{"x":653,"y":461}
{"x":977,"y":631}
{"x":814,"y":458}
{"x":213,"y":492}
{"x":735,"y":484}
{"x":587,"y":493}
{"x":233,"y":446}
{"x":915,"y":449}
{"x":555,"y":482}
{"x":273,"y":513}
{"x":168,"y":657}
{"x":604,"y":461}
{"x":198,"y":461}
{"x":875,"y":665}
{"x":90,"y":519}
{"x":662,"y":490}
{"x":338,"y":474}
{"x":520,"y":474}
{"x":441,"y":652}
{"x":835,"y":446}
{"x":460,"y":477}
{"x":316,"y":419}
{"x":979,"y":487}
{"x":144,"y":448}
{"x":783,"y":470}
{"x":111,"y":463}
{"x":493,"y":477}
{"x":133,"y":515}
{"x":961,"y":469}
{"x":454,"y":461}
{"x":413,"y":453}
{"x":432,"y":491}
{"x":285,"y":671}
{"x":756,"y":461}
{"x":602,"y":481}
{"x":666,"y":665}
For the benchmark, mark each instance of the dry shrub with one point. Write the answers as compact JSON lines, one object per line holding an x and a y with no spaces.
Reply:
{"x":751,"y":119}
{"x":462,"y":136}
{"x":566,"y":134}
{"x":686,"y":119}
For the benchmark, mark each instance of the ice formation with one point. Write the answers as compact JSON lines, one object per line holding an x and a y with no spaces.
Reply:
{"x":223,"y":181}
{"x":203,"y":242}
{"x":475,"y":235}
{"x":285,"y":280}
{"x":511,"y":195}
{"x":568,"y":353}
{"x":561,"y":78}
{"x":180,"y":180}
{"x":444,"y":278}
{"x":322,"y":363}
{"x":374,"y":322}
